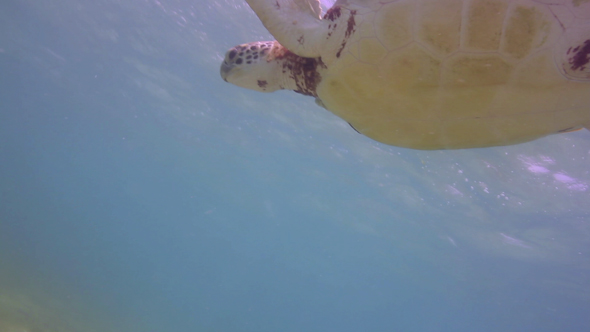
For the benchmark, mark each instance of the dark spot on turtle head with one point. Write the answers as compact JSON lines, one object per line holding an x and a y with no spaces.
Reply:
{"x":333,"y":13}
{"x":262,"y":83}
{"x":249,"y":62}
{"x":580,"y":57}
{"x":239,"y":61}
{"x":248,"y":57}
{"x":253,"y":47}
{"x":255,"y":57}
{"x":232,"y":54}
{"x":241,"y":54}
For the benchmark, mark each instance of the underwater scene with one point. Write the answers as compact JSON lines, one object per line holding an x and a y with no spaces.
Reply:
{"x":141,"y":192}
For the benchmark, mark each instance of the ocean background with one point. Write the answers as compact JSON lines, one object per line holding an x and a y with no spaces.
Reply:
{"x":139,"y":192}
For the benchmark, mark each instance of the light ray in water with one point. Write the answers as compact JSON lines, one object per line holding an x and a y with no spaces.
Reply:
{"x":452,"y":241}
{"x":512,"y":241}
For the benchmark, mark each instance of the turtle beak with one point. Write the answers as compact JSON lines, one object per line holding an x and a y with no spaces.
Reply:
{"x":225,"y":69}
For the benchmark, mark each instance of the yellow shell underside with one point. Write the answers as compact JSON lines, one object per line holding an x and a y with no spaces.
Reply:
{"x":441,"y":74}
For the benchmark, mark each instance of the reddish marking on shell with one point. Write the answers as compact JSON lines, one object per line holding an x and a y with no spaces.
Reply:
{"x":332,"y":28}
{"x":303,"y":71}
{"x":262,"y":83}
{"x":581,"y":56}
{"x":333,"y":13}
{"x":351,"y":24}
{"x":301,"y":40}
{"x":342,"y":46}
{"x":277,"y":51}
{"x":349,"y":31}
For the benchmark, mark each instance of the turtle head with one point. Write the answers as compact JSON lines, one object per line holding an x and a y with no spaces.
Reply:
{"x":249,"y":66}
{"x":269,"y":66}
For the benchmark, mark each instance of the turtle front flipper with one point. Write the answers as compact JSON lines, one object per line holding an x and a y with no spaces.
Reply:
{"x":296,"y":24}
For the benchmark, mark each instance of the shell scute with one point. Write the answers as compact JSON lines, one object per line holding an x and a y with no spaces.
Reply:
{"x":524,"y":29}
{"x":470,"y":84}
{"x":484,"y":24}
{"x":465,"y":70}
{"x":440,"y":25}
{"x":412,"y":67}
{"x":534,"y":88}
{"x":371,"y":50}
{"x":393,"y":24}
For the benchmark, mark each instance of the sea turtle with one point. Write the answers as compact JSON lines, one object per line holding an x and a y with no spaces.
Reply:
{"x":429,"y":74}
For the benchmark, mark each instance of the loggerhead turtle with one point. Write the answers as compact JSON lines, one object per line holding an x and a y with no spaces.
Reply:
{"x":429,"y":74}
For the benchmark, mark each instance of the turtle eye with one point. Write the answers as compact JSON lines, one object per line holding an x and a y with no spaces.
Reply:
{"x":232,"y":54}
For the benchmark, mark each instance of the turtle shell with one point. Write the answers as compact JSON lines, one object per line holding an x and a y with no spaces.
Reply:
{"x":448,"y":74}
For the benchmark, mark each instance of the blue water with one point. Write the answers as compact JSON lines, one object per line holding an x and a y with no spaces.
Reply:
{"x":140,"y":192}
